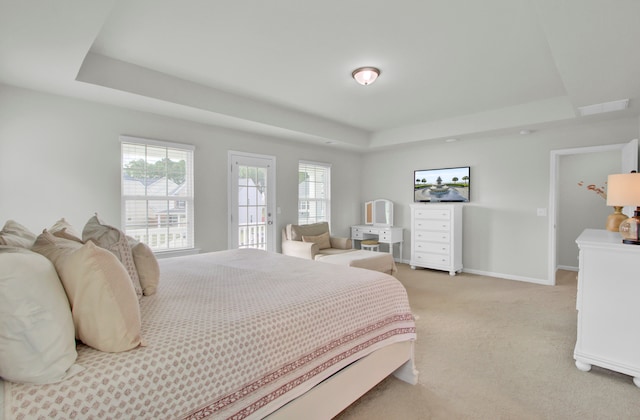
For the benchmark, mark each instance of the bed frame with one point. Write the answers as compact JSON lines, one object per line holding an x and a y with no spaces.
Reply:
{"x":337,"y":392}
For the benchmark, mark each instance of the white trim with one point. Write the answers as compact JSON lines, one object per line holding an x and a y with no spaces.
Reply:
{"x":567,"y":267}
{"x":177,"y":253}
{"x":508,"y":277}
{"x":153,"y":142}
{"x":553,"y":194}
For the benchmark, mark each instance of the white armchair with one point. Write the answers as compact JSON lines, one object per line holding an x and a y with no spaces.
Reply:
{"x":312,"y":241}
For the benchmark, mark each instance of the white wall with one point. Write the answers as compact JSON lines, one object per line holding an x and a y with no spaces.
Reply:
{"x":503,"y":236}
{"x":60,"y":157}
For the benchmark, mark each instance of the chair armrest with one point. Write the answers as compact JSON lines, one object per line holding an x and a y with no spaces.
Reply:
{"x":340,"y":243}
{"x":307,"y":250}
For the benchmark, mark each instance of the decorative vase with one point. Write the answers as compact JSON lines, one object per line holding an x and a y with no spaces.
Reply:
{"x":615,"y":218}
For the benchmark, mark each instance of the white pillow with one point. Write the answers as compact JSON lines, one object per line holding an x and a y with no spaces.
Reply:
{"x":37,"y":337}
{"x":103,"y":302}
{"x":14,"y":234}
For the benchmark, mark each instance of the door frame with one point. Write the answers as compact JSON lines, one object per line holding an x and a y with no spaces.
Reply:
{"x":554,"y":190}
{"x":271,"y":196}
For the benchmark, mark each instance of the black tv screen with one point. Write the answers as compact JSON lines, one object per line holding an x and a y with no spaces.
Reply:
{"x":443,"y":185}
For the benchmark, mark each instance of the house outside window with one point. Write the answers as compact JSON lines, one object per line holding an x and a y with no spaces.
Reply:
{"x":314,"y":192}
{"x":157,"y":193}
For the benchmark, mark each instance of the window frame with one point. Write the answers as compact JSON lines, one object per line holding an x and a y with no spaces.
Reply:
{"x":302,"y":164}
{"x":185,"y":201}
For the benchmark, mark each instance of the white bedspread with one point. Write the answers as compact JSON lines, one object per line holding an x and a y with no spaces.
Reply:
{"x":231,"y":334}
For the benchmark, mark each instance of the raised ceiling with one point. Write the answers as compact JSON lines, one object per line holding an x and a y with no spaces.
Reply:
{"x":450,"y":68}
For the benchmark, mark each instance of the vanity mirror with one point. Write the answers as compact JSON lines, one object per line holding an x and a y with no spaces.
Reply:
{"x":378,"y":212}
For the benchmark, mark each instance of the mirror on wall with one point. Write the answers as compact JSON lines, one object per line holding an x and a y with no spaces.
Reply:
{"x":378,"y":212}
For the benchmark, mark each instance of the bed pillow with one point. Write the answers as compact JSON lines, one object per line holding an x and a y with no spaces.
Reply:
{"x":323,"y":241}
{"x":104,"y":305}
{"x":37,"y":337}
{"x":146,"y":266}
{"x":63,"y":229}
{"x":114,"y":240}
{"x":14,"y":234}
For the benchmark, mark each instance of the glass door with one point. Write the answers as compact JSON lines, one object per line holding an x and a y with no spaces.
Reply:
{"x":252,"y":200}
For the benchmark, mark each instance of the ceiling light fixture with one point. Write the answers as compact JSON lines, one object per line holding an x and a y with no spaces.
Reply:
{"x":365,"y":75}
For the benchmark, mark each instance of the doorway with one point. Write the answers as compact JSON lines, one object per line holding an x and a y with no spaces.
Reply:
{"x":629,"y":161}
{"x":251,"y":201}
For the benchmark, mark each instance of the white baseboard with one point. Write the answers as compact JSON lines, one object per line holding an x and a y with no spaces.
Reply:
{"x":508,"y":276}
{"x":504,"y":276}
{"x":567,"y":267}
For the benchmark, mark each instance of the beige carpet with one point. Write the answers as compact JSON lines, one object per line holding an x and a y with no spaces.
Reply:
{"x":490,"y":348}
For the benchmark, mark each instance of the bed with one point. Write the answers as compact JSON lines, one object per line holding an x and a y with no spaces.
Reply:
{"x":241,"y":334}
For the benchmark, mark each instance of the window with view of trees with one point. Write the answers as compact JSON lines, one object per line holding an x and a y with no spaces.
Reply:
{"x":314,"y":197}
{"x":157,"y":193}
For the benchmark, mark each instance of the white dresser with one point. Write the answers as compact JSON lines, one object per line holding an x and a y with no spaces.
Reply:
{"x":384,"y":235}
{"x":436,"y":237}
{"x":608,"y":303}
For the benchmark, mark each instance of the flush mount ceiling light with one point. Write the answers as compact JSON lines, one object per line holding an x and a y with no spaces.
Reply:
{"x":365,"y":75}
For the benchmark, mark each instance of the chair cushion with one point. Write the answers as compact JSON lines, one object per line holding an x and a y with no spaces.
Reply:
{"x":322,"y":240}
{"x":296,"y":232}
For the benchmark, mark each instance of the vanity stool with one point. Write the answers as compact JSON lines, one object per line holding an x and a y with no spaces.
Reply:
{"x":370,"y":245}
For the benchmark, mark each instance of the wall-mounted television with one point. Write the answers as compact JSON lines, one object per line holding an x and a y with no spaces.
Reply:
{"x":444,"y":185}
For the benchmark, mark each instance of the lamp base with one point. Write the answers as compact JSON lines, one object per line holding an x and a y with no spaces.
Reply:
{"x":630,"y":229}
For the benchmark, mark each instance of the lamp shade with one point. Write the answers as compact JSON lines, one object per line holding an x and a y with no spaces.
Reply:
{"x":623,"y":189}
{"x":365,"y":75}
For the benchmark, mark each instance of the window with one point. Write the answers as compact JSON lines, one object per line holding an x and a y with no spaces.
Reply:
{"x":157,"y":193}
{"x":314,"y":196}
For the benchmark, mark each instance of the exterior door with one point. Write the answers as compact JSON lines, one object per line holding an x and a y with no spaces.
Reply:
{"x":252,"y":201}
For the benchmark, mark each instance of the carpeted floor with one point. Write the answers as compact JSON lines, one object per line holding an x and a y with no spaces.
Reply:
{"x":490,"y":348}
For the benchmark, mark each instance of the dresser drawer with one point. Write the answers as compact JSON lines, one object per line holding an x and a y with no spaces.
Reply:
{"x":425,"y":235}
{"x":438,"y":214}
{"x":357,"y":234}
{"x":442,"y":225}
{"x":435,"y":259}
{"x":433,"y":247}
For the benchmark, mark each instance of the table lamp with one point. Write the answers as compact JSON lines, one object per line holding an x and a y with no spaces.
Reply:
{"x":624,"y":190}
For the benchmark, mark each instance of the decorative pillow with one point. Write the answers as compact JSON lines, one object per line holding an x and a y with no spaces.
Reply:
{"x":104,"y":305}
{"x":64,"y":234}
{"x":37,"y":337}
{"x":296,"y":232}
{"x":146,"y":265}
{"x":323,"y":241}
{"x":63,"y":229}
{"x":14,"y":234}
{"x":114,"y":240}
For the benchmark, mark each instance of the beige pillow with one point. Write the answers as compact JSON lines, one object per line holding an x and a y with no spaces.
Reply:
{"x":65,"y":234}
{"x":146,"y":265}
{"x":14,"y":234}
{"x":114,"y":240}
{"x":37,"y":337}
{"x":323,"y":241}
{"x":63,"y":229}
{"x":104,"y":305}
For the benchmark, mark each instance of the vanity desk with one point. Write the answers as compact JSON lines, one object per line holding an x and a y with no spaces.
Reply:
{"x":383,"y":234}
{"x":378,"y":225}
